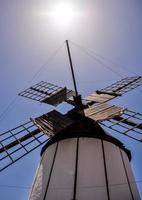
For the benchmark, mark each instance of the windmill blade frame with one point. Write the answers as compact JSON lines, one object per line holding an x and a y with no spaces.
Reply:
{"x":128,"y":124}
{"x":20,"y":141}
{"x":115,"y":90}
{"x":48,"y":93}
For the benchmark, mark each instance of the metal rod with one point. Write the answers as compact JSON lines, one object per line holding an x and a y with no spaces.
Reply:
{"x":105,"y":168}
{"x":22,"y":139}
{"x":72,"y":70}
{"x":76,"y":169}
{"x":128,"y":122}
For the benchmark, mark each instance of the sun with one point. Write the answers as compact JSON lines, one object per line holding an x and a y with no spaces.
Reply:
{"x":62,"y":14}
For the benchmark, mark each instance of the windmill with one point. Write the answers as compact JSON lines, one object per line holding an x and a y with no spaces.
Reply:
{"x":80,"y":159}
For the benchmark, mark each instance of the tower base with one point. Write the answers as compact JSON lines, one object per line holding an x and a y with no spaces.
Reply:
{"x":84,"y":168}
{"x":84,"y":163}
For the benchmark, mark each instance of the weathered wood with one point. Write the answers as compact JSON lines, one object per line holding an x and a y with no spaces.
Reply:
{"x":102,"y":112}
{"x":52,"y":122}
{"x":99,"y":98}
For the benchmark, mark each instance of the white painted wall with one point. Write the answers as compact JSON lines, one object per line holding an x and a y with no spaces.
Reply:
{"x":91,"y":180}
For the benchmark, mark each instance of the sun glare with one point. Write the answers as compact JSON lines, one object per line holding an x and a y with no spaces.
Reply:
{"x":62,"y":14}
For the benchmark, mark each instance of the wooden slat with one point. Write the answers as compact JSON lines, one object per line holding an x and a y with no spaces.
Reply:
{"x":102,"y":112}
{"x":52,"y":122}
{"x":99,"y":98}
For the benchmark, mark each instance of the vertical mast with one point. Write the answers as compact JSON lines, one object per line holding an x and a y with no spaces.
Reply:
{"x":77,"y":99}
{"x":72,"y":70}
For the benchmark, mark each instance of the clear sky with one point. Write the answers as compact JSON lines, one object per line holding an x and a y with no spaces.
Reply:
{"x":30,"y":33}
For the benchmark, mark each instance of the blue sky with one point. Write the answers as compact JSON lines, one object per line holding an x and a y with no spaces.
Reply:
{"x":110,"y":28}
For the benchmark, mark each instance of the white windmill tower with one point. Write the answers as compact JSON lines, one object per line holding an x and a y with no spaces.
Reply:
{"x":79,"y":160}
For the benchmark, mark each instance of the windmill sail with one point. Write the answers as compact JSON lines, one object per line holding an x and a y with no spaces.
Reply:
{"x":52,"y":122}
{"x":18,"y":142}
{"x":128,"y":124}
{"x":117,"y":89}
{"x":120,"y":120}
{"x":48,"y":93}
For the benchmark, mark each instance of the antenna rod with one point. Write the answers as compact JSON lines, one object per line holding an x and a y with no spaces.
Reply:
{"x":72,"y":70}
